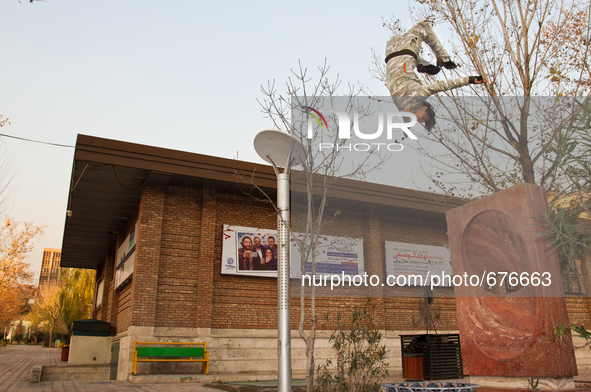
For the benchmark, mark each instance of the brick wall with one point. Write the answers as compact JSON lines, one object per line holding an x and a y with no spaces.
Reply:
{"x":403,"y":313}
{"x":177,"y":280}
{"x":208,"y":251}
{"x":123,"y":320}
{"x":240,"y":301}
{"x":578,"y":310}
{"x":147,"y":260}
{"x":178,"y":272}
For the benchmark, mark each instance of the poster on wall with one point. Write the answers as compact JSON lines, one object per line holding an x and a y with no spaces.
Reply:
{"x":253,"y":252}
{"x":249,"y":251}
{"x":413,"y":259}
{"x":334,"y":256}
{"x":125,"y":259}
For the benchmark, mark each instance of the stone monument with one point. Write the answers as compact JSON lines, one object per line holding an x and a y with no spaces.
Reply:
{"x":507,"y":328}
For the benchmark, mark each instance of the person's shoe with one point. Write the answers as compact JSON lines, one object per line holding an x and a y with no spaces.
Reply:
{"x":447,"y":64}
{"x":428,"y":69}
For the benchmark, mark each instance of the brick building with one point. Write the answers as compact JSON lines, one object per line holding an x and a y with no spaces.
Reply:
{"x":174,"y":205}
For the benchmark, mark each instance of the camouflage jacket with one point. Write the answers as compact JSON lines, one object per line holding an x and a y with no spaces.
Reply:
{"x":407,"y":90}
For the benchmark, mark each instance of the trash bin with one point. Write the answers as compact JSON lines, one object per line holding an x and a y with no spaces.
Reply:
{"x":413,"y":367}
{"x":65,"y":353}
{"x":441,"y":356}
{"x":429,"y":386}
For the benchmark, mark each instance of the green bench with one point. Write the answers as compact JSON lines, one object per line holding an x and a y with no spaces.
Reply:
{"x":170,"y":352}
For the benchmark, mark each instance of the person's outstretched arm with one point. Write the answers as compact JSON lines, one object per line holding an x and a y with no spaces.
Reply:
{"x":450,"y":84}
{"x":444,"y":85}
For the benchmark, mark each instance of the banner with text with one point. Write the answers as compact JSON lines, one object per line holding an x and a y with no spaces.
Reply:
{"x":413,"y":259}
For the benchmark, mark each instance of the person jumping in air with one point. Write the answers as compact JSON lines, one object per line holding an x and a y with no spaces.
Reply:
{"x":403,"y":58}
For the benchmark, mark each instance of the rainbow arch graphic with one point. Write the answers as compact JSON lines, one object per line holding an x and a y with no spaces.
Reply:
{"x":316,"y":117}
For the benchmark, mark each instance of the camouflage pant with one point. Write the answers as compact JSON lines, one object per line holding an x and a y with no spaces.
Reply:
{"x":407,"y":91}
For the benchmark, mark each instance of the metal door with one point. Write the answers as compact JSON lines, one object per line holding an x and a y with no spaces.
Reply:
{"x":114,"y":360}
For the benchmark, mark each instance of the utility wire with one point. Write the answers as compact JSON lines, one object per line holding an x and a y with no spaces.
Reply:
{"x":36,"y":141}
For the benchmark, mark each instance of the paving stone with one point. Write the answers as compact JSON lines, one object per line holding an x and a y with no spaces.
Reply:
{"x":17,"y":361}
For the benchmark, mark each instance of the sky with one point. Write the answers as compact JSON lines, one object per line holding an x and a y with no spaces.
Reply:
{"x":183,"y":75}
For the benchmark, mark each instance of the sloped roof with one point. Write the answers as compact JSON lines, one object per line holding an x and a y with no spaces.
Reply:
{"x":107,"y":177}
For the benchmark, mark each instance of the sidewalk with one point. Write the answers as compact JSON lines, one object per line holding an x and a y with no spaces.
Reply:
{"x":16,"y":363}
{"x":15,"y":370}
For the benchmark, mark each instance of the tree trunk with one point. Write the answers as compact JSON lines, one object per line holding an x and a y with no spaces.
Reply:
{"x":310,"y":366}
{"x":309,"y":340}
{"x":310,"y":350}
{"x":51,"y":334}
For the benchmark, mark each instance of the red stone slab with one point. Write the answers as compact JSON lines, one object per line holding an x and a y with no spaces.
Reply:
{"x":508,"y":331}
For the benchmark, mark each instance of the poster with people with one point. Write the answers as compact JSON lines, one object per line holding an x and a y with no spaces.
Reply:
{"x":414,"y":259}
{"x":253,"y":251}
{"x":249,"y":251}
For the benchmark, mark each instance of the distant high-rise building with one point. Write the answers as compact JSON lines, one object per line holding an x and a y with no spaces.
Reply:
{"x":50,"y":269}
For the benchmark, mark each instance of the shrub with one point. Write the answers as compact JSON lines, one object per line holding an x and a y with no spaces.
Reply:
{"x":360,"y":362}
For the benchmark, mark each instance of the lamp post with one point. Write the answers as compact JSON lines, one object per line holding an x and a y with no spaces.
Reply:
{"x":277,"y":147}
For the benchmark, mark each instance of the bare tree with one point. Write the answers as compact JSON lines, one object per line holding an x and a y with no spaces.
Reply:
{"x":320,"y":170}
{"x":501,"y":136}
{"x":569,"y":71}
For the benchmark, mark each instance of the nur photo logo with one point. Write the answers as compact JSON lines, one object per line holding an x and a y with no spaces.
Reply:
{"x":390,"y":126}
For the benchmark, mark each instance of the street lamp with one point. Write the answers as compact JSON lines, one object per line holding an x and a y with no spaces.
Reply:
{"x":277,"y":147}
